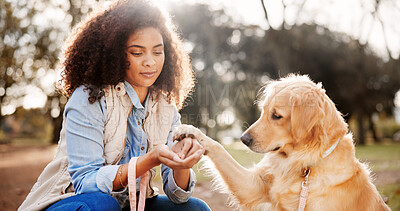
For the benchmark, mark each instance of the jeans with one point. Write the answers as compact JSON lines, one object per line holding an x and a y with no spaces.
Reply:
{"x":85,"y":202}
{"x":102,"y":201}
{"x":161,"y":202}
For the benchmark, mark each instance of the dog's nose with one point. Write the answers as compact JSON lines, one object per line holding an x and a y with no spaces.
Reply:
{"x":246,"y":139}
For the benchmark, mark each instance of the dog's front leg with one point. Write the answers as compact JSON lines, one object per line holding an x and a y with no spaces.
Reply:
{"x":240,"y":181}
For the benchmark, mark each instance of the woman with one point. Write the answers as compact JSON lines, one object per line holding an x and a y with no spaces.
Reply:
{"x":126,"y":75}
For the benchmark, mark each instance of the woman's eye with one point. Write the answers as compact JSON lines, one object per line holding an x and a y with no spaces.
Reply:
{"x":136,"y":54}
{"x":276,"y":116}
{"x":158,"y":52}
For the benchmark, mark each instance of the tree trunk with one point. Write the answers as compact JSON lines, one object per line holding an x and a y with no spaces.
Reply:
{"x":361,"y":130}
{"x":372,"y":127}
{"x":1,"y":115}
{"x":57,"y":125}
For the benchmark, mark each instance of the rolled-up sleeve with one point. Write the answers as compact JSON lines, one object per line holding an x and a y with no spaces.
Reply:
{"x":84,"y":135}
{"x":176,"y":194}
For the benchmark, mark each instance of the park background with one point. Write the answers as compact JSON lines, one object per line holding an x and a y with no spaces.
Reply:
{"x":236,"y":47}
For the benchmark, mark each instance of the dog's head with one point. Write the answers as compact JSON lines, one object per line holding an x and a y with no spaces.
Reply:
{"x":296,"y":114}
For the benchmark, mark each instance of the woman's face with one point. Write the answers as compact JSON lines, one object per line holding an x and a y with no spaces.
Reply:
{"x":145,"y":50}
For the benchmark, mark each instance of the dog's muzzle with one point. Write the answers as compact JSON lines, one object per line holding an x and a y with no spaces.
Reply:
{"x":246,"y":139}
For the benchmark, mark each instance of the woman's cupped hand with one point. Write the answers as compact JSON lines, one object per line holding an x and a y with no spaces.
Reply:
{"x":182,"y":155}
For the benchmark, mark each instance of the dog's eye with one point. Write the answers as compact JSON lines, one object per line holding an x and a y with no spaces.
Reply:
{"x":276,"y":116}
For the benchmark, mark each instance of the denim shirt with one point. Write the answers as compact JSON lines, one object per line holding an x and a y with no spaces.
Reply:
{"x":84,"y":134}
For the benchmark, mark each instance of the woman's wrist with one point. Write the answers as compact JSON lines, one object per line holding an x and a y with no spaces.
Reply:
{"x":121,"y":178}
{"x":182,"y":177}
{"x":122,"y":173}
{"x":152,"y":158}
{"x":146,"y":162}
{"x":143,"y":164}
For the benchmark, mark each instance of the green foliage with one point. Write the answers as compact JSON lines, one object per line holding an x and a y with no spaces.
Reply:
{"x":32,"y":34}
{"x":28,"y":126}
{"x":388,"y":127}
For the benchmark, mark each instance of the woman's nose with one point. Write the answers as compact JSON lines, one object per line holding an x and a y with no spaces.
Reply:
{"x":149,"y":61}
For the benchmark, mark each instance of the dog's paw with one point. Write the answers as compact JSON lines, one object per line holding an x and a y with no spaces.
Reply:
{"x":183,"y":131}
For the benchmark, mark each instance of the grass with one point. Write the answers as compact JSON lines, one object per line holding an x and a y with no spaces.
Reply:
{"x":379,"y":152}
{"x":380,"y":157}
{"x":392,"y":192}
{"x":384,"y":158}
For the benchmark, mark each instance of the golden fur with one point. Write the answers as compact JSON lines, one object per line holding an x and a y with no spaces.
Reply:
{"x":297,"y":125}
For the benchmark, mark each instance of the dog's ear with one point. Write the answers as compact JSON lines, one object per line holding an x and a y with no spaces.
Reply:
{"x":306,"y":114}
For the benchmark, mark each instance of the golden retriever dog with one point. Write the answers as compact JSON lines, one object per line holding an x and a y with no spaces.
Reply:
{"x":309,"y":161}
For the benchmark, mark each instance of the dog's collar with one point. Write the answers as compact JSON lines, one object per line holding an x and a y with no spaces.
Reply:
{"x":326,"y":153}
{"x":329,"y":151}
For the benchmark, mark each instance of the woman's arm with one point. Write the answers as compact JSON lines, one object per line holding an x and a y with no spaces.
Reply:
{"x":84,"y":137}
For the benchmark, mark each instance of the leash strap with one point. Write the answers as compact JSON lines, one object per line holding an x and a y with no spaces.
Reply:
{"x":132,"y":186}
{"x":304,"y":191}
{"x":303,"y":197}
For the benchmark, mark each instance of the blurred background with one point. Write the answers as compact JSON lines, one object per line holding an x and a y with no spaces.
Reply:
{"x":236,"y":47}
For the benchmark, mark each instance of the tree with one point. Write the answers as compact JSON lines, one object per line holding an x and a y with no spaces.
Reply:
{"x":31,"y":38}
{"x":7,"y":26}
{"x":227,"y":61}
{"x":363,"y":83}
{"x":232,"y":58}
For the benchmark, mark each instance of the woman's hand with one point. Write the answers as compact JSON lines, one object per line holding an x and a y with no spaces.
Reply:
{"x":162,"y":154}
{"x":183,"y":155}
{"x":189,"y":150}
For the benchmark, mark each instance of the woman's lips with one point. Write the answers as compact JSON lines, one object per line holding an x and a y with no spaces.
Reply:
{"x":148,"y":75}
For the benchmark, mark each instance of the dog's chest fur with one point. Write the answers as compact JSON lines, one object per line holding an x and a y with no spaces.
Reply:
{"x":287,"y":181}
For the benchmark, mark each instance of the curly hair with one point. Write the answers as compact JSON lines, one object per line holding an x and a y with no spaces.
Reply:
{"x":95,"y":52}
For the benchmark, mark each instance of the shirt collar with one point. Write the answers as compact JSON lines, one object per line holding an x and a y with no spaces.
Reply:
{"x":134,"y":97}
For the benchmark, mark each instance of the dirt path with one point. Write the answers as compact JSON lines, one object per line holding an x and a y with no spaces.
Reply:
{"x":19,"y":169}
{"x":21,"y":166}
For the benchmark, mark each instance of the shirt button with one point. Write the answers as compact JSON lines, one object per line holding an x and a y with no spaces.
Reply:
{"x":138,"y":122}
{"x":142,"y":148}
